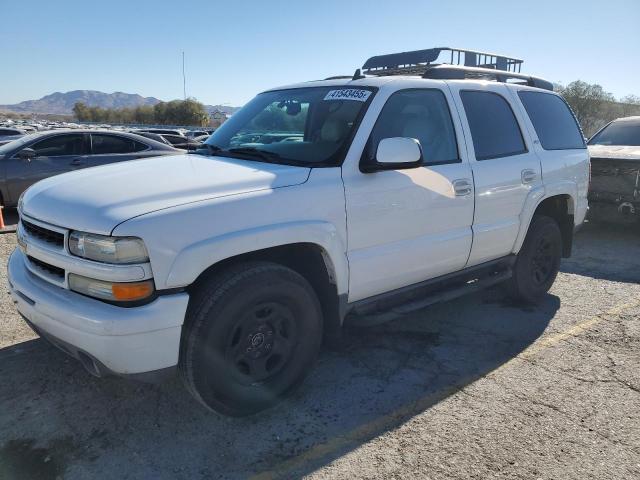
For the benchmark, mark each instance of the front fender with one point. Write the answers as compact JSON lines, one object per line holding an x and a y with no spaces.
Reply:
{"x":535,"y":198}
{"x":196,"y":258}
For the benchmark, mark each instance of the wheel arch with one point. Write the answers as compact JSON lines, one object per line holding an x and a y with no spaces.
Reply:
{"x":561,"y":206}
{"x":313,"y":251}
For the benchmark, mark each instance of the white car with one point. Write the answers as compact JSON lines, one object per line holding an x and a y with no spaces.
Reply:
{"x":233,"y":264}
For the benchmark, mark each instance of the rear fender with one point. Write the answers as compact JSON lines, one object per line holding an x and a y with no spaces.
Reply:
{"x":535,"y":198}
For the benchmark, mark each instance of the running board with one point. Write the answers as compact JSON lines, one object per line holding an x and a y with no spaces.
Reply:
{"x":380,"y":310}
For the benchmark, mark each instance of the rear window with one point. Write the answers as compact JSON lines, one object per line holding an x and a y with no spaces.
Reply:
{"x":618,"y":133}
{"x":555,"y":125}
{"x":494,"y":128}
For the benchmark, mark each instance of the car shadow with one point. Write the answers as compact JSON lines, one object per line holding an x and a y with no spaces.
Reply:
{"x":606,"y":251}
{"x":56,"y":420}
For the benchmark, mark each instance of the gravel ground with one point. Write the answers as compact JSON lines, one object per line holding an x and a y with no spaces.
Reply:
{"x":473,"y":388}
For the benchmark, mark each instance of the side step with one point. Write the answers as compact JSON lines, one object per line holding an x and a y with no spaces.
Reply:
{"x":396,"y":304}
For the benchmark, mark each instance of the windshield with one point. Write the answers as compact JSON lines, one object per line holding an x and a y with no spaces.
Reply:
{"x":304,"y":126}
{"x":11,"y":146}
{"x":618,"y":133}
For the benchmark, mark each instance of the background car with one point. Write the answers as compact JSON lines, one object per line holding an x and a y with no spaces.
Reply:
{"x":161,"y":131}
{"x":10,"y":134}
{"x":199,"y":133}
{"x":614,"y":192}
{"x":5,"y":131}
{"x":177,"y":141}
{"x":34,"y":157}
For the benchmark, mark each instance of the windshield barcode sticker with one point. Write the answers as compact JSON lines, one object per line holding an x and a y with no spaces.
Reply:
{"x":348,"y":94}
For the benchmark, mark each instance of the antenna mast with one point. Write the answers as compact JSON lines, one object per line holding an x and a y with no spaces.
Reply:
{"x":184,"y":79}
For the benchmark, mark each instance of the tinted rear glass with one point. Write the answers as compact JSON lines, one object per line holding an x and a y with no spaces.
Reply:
{"x":555,"y":125}
{"x":493,"y":125}
{"x":105,"y":144}
{"x":618,"y":133}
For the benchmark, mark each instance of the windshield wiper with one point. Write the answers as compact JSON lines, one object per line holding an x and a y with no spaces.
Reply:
{"x":212,"y":148}
{"x":255,"y":152}
{"x":252,"y":153}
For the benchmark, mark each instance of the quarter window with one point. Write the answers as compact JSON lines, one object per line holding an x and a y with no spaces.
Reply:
{"x":105,"y":144}
{"x":555,"y":125}
{"x":494,"y":128}
{"x":60,"y":145}
{"x":420,"y":114}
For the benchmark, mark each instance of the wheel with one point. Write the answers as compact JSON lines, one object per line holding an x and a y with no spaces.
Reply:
{"x":252,"y":334}
{"x":538,"y":261}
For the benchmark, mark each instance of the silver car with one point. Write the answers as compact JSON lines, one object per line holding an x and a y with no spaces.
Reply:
{"x":34,"y":157}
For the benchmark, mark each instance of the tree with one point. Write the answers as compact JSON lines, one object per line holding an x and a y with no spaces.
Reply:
{"x":81,"y":111}
{"x":592,"y":105}
{"x":176,"y":112}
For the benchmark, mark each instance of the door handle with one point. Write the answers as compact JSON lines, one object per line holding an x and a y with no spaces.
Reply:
{"x":77,"y":161}
{"x":462,"y":187}
{"x":528,"y":175}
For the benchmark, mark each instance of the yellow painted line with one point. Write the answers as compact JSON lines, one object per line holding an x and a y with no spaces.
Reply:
{"x":394,"y":419}
{"x":577,"y":329}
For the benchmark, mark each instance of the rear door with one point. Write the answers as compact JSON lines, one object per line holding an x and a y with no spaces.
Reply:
{"x":55,"y":154}
{"x":505,"y":167}
{"x":111,"y":148}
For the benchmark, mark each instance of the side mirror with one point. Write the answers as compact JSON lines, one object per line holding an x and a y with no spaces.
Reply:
{"x":395,"y":153}
{"x":27,"y":154}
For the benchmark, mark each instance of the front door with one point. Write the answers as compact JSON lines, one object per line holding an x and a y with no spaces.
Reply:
{"x":406,"y":226}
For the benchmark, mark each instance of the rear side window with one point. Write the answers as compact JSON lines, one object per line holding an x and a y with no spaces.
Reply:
{"x":420,"y":114}
{"x":555,"y":125}
{"x":60,"y":145}
{"x":493,"y":125}
{"x":105,"y":144}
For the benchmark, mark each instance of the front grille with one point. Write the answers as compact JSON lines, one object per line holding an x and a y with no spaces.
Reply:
{"x":43,"y":234}
{"x":47,"y":268}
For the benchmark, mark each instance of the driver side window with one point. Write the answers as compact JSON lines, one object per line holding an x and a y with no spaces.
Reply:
{"x":422,"y":114}
{"x":60,"y":145}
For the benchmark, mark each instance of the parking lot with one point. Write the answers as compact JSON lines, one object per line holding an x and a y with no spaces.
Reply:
{"x":473,"y":388}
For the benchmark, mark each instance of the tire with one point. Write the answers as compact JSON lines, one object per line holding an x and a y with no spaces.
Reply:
{"x":252,"y":334}
{"x":538,"y":261}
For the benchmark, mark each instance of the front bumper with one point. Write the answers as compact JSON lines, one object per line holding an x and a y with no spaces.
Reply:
{"x":106,"y":338}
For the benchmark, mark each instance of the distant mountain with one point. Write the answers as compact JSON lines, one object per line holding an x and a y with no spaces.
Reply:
{"x":62,"y":103}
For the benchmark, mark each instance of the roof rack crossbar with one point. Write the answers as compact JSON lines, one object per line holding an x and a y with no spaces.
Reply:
{"x":456,"y":72}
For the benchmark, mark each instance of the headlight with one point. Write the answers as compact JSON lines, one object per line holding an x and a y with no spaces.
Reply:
{"x":102,"y":248}
{"x":20,"y":202}
{"x":110,"y":291}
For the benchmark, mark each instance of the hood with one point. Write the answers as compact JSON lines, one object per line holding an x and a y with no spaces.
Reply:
{"x":97,"y":199}
{"x":621,"y":152}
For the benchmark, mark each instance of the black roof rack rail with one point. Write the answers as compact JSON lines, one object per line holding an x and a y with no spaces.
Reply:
{"x":456,"y":72}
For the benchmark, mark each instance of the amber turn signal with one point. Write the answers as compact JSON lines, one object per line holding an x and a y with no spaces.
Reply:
{"x":128,"y":292}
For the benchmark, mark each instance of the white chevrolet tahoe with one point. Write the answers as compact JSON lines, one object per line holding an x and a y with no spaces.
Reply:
{"x":314,"y":201}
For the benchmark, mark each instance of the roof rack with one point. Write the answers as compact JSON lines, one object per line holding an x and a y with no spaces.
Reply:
{"x":460,"y":64}
{"x":403,"y":61}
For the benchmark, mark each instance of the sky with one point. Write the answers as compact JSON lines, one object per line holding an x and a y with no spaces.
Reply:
{"x":236,"y":49}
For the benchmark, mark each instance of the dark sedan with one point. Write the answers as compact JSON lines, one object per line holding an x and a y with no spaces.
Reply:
{"x":34,"y":157}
